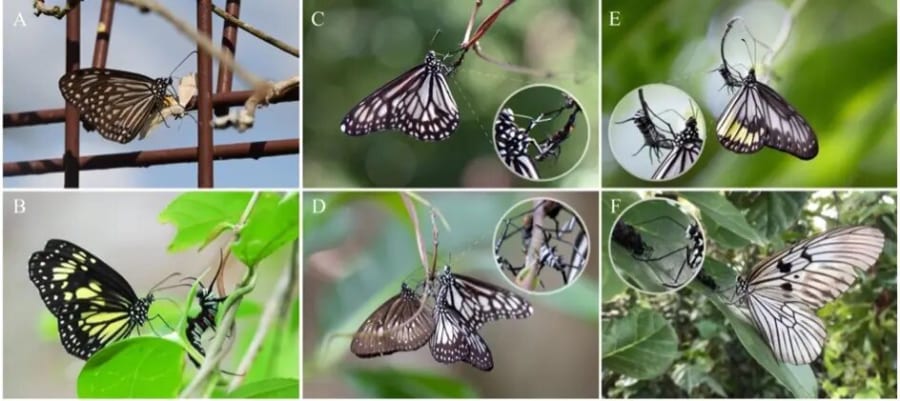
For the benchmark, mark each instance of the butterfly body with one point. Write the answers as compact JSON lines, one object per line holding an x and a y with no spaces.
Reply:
{"x":418,"y":102}
{"x":120,"y":105}
{"x":94,"y":304}
{"x":511,"y":143}
{"x":204,"y":320}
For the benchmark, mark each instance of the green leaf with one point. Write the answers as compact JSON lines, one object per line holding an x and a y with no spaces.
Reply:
{"x":391,"y":383}
{"x":717,"y":208}
{"x":270,"y":388}
{"x":199,"y":217}
{"x":689,"y":377}
{"x":642,"y":344}
{"x":798,"y":379}
{"x":141,"y":367}
{"x":771,"y":213}
{"x":273,"y":222}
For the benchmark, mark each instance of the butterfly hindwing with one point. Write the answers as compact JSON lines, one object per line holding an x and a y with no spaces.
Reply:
{"x":455,"y":339}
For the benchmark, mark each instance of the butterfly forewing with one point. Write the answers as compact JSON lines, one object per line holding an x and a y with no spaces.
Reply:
{"x":120,"y":105}
{"x":397,"y":325}
{"x":93,"y":303}
{"x":418,"y":102}
{"x":821,"y":268}
{"x":480,"y":302}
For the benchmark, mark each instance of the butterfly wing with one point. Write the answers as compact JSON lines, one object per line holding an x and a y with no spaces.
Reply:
{"x":758,"y":116}
{"x":511,"y":143}
{"x":93,"y":303}
{"x":204,"y":320}
{"x":384,"y":332}
{"x":120,"y":105}
{"x":791,"y":328}
{"x":456,"y":340}
{"x":418,"y":102}
{"x":480,"y":302}
{"x":819,"y":269}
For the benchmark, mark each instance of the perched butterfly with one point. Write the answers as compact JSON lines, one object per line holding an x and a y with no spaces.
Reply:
{"x":455,"y":339}
{"x":653,"y":138}
{"x":511,"y":143}
{"x":462,"y":306}
{"x":781,"y":294}
{"x":397,"y":325}
{"x":758,"y":116}
{"x":93,"y":304}
{"x":687,"y":145}
{"x":120,"y":105}
{"x":418,"y":102}
{"x":204,"y":320}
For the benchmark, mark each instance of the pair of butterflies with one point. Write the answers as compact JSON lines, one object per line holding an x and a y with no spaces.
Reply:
{"x":690,"y":254}
{"x":461,"y":306}
{"x":94,"y":305}
{"x":512,"y":142}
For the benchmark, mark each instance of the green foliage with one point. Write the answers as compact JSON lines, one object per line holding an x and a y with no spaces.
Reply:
{"x":838,"y":68}
{"x":273,"y":388}
{"x":859,"y":354}
{"x":366,"y":43}
{"x":395,"y":383}
{"x":143,"y":367}
{"x":642,"y":344}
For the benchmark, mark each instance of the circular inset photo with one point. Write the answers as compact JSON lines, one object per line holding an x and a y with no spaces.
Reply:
{"x":657,"y":132}
{"x":541,"y":245}
{"x":541,"y":133}
{"x":656,"y":246}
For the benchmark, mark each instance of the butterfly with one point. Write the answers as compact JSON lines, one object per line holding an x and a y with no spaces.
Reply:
{"x":462,"y":306}
{"x":397,"y":325}
{"x":204,"y":320}
{"x":781,"y":294}
{"x":418,"y":102}
{"x":758,"y":116}
{"x":120,"y":105}
{"x":511,"y":143}
{"x":653,"y":138}
{"x":687,"y":145}
{"x":94,"y":305}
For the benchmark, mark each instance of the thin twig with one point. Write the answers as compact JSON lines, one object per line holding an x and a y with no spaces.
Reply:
{"x":205,"y":43}
{"x":532,"y":257}
{"x":256,"y":32}
{"x":215,"y":353}
{"x":55,"y":11}
{"x":280,"y":295}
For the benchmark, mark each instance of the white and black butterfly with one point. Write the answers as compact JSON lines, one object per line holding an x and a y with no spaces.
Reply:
{"x":511,"y":143}
{"x":758,"y":116}
{"x":687,"y":145}
{"x":418,"y":102}
{"x":120,"y":105}
{"x":781,"y":294}
{"x":462,"y":306}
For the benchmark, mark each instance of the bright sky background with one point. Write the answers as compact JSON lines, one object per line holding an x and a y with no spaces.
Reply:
{"x":145,"y":43}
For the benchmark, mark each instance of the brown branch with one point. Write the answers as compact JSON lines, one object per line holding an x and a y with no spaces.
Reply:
{"x":55,"y":11}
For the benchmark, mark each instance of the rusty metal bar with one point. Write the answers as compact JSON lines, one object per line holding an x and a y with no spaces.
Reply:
{"x":254,"y":150}
{"x":229,"y":45}
{"x":204,"y":99}
{"x":48,"y":116}
{"x":104,"y":32}
{"x":73,"y":62}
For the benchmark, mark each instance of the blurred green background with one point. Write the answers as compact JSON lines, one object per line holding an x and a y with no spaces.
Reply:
{"x":690,"y":345}
{"x":364,"y":44}
{"x":838,"y":68}
{"x":358,"y":251}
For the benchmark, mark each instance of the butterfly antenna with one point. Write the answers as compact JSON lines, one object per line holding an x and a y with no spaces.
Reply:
{"x":193,"y":52}
{"x":155,"y":286}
